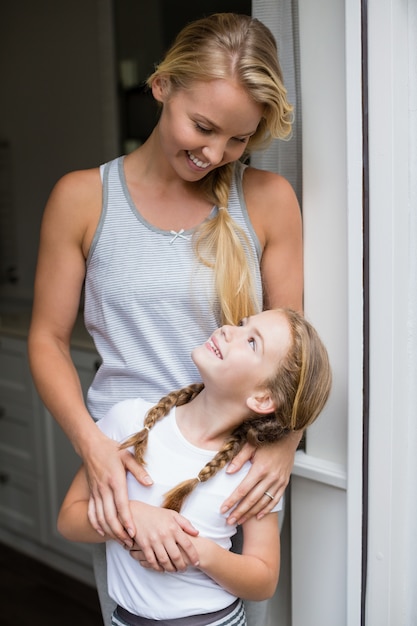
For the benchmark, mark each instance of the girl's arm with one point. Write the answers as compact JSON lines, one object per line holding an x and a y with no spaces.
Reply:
{"x":164,"y":535}
{"x":252,"y":575}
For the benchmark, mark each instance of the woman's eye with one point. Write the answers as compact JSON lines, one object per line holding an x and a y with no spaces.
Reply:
{"x":252,"y":344}
{"x":201,"y":129}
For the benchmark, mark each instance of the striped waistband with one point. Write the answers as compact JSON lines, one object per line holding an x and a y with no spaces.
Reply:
{"x":233,"y":615}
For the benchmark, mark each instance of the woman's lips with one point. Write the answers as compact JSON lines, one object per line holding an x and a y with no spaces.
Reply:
{"x":200,"y":164}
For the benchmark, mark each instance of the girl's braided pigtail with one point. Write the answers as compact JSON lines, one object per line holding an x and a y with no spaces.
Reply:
{"x":175,"y":497}
{"x":257,"y":431}
{"x":139,"y":440}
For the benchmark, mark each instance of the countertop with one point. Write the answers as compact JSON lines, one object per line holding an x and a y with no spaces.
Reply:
{"x":17,"y":325}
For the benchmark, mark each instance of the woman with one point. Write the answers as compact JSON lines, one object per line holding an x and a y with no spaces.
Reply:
{"x":171,"y":241}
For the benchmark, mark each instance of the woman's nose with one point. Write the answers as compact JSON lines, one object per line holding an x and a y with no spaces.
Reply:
{"x":214,"y":151}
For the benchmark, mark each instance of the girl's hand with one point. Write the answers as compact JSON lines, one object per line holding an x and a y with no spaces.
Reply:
{"x":163,"y":542}
{"x":269,"y":474}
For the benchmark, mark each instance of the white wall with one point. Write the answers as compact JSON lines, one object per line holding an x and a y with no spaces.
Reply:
{"x":326,"y":491}
{"x":326,"y":488}
{"x":392,"y":554}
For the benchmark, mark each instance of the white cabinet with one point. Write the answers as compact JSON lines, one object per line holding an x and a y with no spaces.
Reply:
{"x":37,"y":462}
{"x":22,"y":494}
{"x":62,"y":463}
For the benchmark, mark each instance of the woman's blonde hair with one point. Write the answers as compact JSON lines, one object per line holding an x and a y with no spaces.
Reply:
{"x":241,"y":48}
{"x":300,"y":388}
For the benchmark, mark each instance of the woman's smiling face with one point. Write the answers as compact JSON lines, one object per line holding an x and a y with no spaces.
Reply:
{"x":205,"y":126}
{"x":239,"y":359}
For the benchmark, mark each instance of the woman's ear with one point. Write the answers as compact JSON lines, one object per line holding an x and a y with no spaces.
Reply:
{"x":261,"y":402}
{"x":160,"y":89}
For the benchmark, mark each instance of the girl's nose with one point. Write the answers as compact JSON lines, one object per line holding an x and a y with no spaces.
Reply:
{"x":228,"y":331}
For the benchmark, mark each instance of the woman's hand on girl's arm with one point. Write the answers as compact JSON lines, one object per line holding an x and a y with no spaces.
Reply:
{"x":73,"y":518}
{"x":73,"y":522}
{"x":163,"y":535}
{"x":109,"y":508}
{"x":79,"y":509}
{"x":163,"y":540}
{"x":270,"y":473}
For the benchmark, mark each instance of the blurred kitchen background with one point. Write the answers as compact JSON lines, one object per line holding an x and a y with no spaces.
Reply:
{"x":72,"y":97}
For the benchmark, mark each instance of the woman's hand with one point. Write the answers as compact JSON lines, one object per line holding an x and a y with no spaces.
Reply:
{"x":269,"y":474}
{"x":108,"y":510}
{"x":163,"y":542}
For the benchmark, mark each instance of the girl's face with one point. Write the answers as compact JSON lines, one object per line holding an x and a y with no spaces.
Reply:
{"x":205,"y":126}
{"x":237,"y":360}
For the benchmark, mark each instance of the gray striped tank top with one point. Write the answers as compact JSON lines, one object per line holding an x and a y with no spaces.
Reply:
{"x":148,"y":302}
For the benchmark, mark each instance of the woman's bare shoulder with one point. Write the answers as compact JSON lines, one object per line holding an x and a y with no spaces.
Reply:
{"x":74,"y":207}
{"x":272,"y":203}
{"x":267,"y":186}
{"x":78,"y":186}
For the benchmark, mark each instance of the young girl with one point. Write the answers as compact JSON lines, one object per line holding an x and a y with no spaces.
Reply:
{"x":261,"y":380}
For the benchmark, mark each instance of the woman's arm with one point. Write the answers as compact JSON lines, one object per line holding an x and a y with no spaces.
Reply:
{"x":58,"y":283}
{"x":68,"y":225}
{"x":276,"y":217}
{"x":252,"y":575}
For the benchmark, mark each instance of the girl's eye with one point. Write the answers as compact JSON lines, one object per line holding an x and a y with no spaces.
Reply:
{"x":241,"y":139}
{"x":252,"y":344}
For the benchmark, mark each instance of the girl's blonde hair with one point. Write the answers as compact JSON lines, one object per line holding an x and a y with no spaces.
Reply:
{"x":300,"y":388}
{"x":240,"y":48}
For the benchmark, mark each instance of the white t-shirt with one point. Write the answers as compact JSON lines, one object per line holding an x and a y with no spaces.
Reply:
{"x":170,"y":459}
